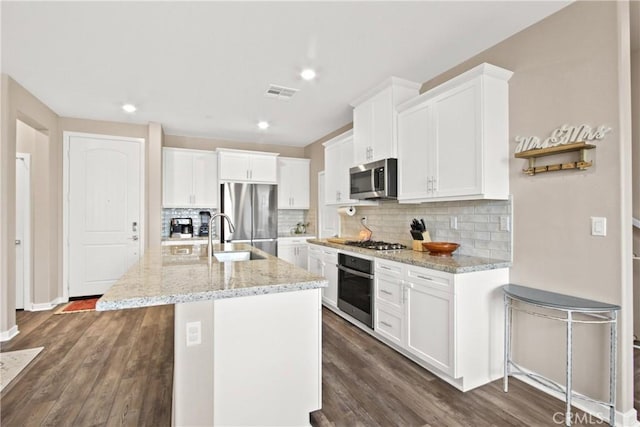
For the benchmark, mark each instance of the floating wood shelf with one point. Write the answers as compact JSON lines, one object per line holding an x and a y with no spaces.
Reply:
{"x":532,"y":155}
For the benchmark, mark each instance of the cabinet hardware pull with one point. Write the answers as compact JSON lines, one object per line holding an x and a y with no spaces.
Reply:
{"x":388,"y":325}
{"x":424,"y":277}
{"x":386,"y":292}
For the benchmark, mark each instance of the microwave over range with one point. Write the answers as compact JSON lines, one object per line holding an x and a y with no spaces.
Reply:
{"x":376,"y":180}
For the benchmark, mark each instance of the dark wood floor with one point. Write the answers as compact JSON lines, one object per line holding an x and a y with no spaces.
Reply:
{"x":96,"y":369}
{"x":115,"y":368}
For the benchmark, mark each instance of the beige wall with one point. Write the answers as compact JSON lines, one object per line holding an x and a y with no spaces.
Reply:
{"x":635,"y":108}
{"x":212,"y":144}
{"x":315,"y":152}
{"x":154,"y":185}
{"x":18,"y":103}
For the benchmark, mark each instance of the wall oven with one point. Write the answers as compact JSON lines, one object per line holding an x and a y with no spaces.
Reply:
{"x":355,"y":287}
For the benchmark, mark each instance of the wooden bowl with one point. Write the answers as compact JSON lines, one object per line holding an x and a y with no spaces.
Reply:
{"x":440,"y":248}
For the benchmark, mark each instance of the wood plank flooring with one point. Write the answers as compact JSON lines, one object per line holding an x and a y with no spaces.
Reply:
{"x":96,"y":369}
{"x":115,"y":368}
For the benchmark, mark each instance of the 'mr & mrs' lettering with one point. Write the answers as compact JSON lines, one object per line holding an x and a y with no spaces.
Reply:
{"x":565,"y":134}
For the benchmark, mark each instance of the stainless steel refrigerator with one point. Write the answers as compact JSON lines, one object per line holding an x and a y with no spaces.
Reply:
{"x":253,"y":209}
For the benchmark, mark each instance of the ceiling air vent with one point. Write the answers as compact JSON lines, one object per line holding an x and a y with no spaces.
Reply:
{"x":280,"y":92}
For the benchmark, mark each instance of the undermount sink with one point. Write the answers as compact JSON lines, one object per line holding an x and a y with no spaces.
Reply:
{"x":236,"y":256}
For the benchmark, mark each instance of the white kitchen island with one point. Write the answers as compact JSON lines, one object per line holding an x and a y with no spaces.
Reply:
{"x":247,"y":334}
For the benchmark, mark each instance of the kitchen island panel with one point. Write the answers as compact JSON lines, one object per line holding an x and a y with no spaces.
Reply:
{"x":259,"y":361}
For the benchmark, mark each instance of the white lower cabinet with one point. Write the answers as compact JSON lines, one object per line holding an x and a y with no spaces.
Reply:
{"x":294,"y":250}
{"x":450,"y":322}
{"x":429,"y":324}
{"x":323,"y":261}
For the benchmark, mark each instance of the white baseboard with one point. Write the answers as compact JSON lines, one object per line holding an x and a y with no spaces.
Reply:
{"x":623,"y":419}
{"x":48,"y":305}
{"x":7,"y":335}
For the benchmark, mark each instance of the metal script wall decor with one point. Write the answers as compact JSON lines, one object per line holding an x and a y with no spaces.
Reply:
{"x":563,"y":135}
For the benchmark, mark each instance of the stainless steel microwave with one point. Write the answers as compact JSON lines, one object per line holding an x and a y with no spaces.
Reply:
{"x":376,"y":180}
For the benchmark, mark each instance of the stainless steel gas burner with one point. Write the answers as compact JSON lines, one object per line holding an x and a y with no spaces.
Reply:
{"x":375,"y":245}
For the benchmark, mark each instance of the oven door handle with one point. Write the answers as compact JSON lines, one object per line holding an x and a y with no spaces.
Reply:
{"x":355,"y":272}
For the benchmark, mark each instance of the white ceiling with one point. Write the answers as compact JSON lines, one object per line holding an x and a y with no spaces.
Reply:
{"x":201,"y":68}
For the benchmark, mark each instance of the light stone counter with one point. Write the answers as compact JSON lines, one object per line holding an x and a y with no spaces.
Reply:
{"x":455,"y":264}
{"x":178,"y":274}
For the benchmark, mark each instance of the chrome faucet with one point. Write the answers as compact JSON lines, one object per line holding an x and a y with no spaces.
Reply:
{"x":232,"y":228}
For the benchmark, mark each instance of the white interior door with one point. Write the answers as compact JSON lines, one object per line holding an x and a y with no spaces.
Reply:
{"x":104,"y":211}
{"x":23,"y":218}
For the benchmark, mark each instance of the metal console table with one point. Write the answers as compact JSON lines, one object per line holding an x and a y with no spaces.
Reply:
{"x":588,"y":311}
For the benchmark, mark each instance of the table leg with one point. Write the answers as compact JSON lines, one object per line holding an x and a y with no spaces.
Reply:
{"x":569,"y":367}
{"x":613,"y":346}
{"x":507,"y":342}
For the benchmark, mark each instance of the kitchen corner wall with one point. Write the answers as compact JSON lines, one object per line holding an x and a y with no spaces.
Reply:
{"x":564,"y":74}
{"x":478,"y":224}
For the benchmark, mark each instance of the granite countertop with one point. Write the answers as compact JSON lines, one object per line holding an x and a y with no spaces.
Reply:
{"x":178,"y":274}
{"x":296,"y":236}
{"x":454,"y":264}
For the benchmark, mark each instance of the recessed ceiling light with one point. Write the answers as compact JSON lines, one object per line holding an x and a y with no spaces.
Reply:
{"x":263,"y":125}
{"x":129,"y":108}
{"x":308,"y":74}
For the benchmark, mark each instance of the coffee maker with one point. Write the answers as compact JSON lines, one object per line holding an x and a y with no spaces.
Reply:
{"x":181,"y":228}
{"x":205,"y":217}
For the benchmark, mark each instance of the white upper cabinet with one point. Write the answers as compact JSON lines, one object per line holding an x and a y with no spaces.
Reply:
{"x":374,"y":120}
{"x":453,"y":140}
{"x":293,"y":183}
{"x":189,"y":178}
{"x":247,"y":166}
{"x":338,"y":155}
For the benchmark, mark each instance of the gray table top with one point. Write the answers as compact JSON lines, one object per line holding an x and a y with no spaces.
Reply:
{"x":555,"y":300}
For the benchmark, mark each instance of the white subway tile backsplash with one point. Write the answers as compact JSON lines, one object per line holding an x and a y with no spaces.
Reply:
{"x":193,"y":213}
{"x":289,"y":218}
{"x":478,"y":230}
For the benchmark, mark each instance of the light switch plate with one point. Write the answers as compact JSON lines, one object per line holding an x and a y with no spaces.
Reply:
{"x":505,"y":223}
{"x":453,"y":222}
{"x":598,"y":226}
{"x":194,"y":333}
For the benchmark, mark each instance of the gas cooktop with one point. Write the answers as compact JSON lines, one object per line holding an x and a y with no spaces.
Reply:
{"x":375,"y":245}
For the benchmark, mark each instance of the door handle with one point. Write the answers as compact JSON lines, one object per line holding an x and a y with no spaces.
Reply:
{"x":134,"y":237}
{"x":18,"y":242}
{"x":134,"y":226}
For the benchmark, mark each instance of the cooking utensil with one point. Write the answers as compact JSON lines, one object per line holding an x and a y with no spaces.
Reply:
{"x":366,"y":233}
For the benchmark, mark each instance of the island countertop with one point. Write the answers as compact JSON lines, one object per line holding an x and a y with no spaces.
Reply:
{"x":178,"y":274}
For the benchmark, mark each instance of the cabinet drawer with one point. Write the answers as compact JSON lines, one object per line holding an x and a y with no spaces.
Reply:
{"x":388,"y":324}
{"x":431,"y":278}
{"x":315,"y":249}
{"x":389,"y":289}
{"x":388,"y":267}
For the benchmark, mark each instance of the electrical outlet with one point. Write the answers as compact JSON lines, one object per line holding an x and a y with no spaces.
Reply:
{"x":453,"y":222}
{"x":505,"y":223}
{"x":194,"y":333}
{"x":364,"y":220}
{"x":598,"y":226}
